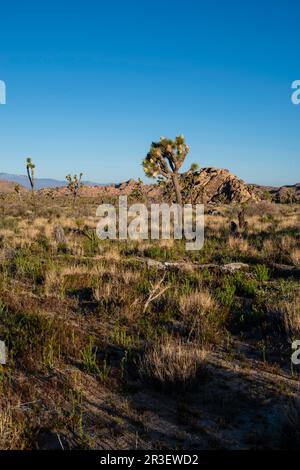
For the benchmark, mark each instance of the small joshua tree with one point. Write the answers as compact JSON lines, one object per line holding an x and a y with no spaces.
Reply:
{"x":30,"y":167}
{"x":17,"y":189}
{"x":165,"y":159}
{"x":74,"y":185}
{"x":137,"y":192}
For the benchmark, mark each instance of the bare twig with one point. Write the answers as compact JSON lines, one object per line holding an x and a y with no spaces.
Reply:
{"x":155,"y":292}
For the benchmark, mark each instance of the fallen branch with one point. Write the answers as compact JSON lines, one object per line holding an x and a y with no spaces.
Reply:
{"x":285,"y":270}
{"x":155,"y":292}
{"x":230,"y":267}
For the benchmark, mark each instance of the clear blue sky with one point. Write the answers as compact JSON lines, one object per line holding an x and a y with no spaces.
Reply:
{"x":91,"y":83}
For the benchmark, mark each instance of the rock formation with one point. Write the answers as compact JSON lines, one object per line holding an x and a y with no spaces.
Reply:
{"x":219,"y":185}
{"x":209,"y":185}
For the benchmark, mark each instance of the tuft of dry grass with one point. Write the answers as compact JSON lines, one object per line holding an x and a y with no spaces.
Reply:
{"x":295,"y":256}
{"x":201,"y":315}
{"x":291,"y":316}
{"x":11,"y":431}
{"x":239,"y":244}
{"x":199,"y":302}
{"x":173,"y":365}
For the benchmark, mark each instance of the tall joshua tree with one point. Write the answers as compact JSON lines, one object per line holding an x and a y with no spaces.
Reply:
{"x":165,"y":159}
{"x":30,"y":167}
{"x":74,"y":185}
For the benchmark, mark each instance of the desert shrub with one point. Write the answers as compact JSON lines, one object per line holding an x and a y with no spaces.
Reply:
{"x":9,"y":223}
{"x":149,"y":330}
{"x":62,"y":247}
{"x":28,"y":266}
{"x":89,"y":358}
{"x":165,"y":253}
{"x":245,"y":286}
{"x":90,"y":242}
{"x":261,"y":209}
{"x":226,"y":292}
{"x":90,"y":363}
{"x":261,"y":272}
{"x":189,"y":281}
{"x":35,"y":338}
{"x":25,"y":333}
{"x":172,"y":365}
{"x":121,"y":337}
{"x":44,"y":242}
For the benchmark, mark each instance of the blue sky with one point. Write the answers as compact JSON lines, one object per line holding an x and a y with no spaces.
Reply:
{"x":91,"y":83}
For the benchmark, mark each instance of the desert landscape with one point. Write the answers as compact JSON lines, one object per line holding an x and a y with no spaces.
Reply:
{"x":149,"y":233}
{"x":142,"y":344}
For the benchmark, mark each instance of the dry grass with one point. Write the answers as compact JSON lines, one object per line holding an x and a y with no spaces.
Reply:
{"x":11,"y":430}
{"x":197,"y":303}
{"x":295,"y":256}
{"x":239,"y":244}
{"x":172,"y":365}
{"x":291,"y":314}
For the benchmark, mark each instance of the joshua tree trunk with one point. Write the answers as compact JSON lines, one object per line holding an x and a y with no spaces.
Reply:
{"x":176,"y":184}
{"x":30,"y":181}
{"x":74,"y":198}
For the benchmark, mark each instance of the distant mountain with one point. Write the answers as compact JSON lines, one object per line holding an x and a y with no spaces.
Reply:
{"x":40,"y":183}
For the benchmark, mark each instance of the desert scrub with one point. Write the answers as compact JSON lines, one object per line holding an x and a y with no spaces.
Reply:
{"x":261,"y":272}
{"x":27,"y":266}
{"x":43,"y":242}
{"x":245,"y":286}
{"x":89,"y":357}
{"x":36,"y":339}
{"x":9,"y":223}
{"x":172,"y":365}
{"x":165,"y":253}
{"x":226,"y":292}
{"x":121,"y":337}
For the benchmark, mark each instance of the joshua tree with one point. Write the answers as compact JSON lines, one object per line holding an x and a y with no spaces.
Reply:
{"x":17,"y":189}
{"x":137,"y":192}
{"x":74,"y":185}
{"x":30,"y":167}
{"x":165,"y":159}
